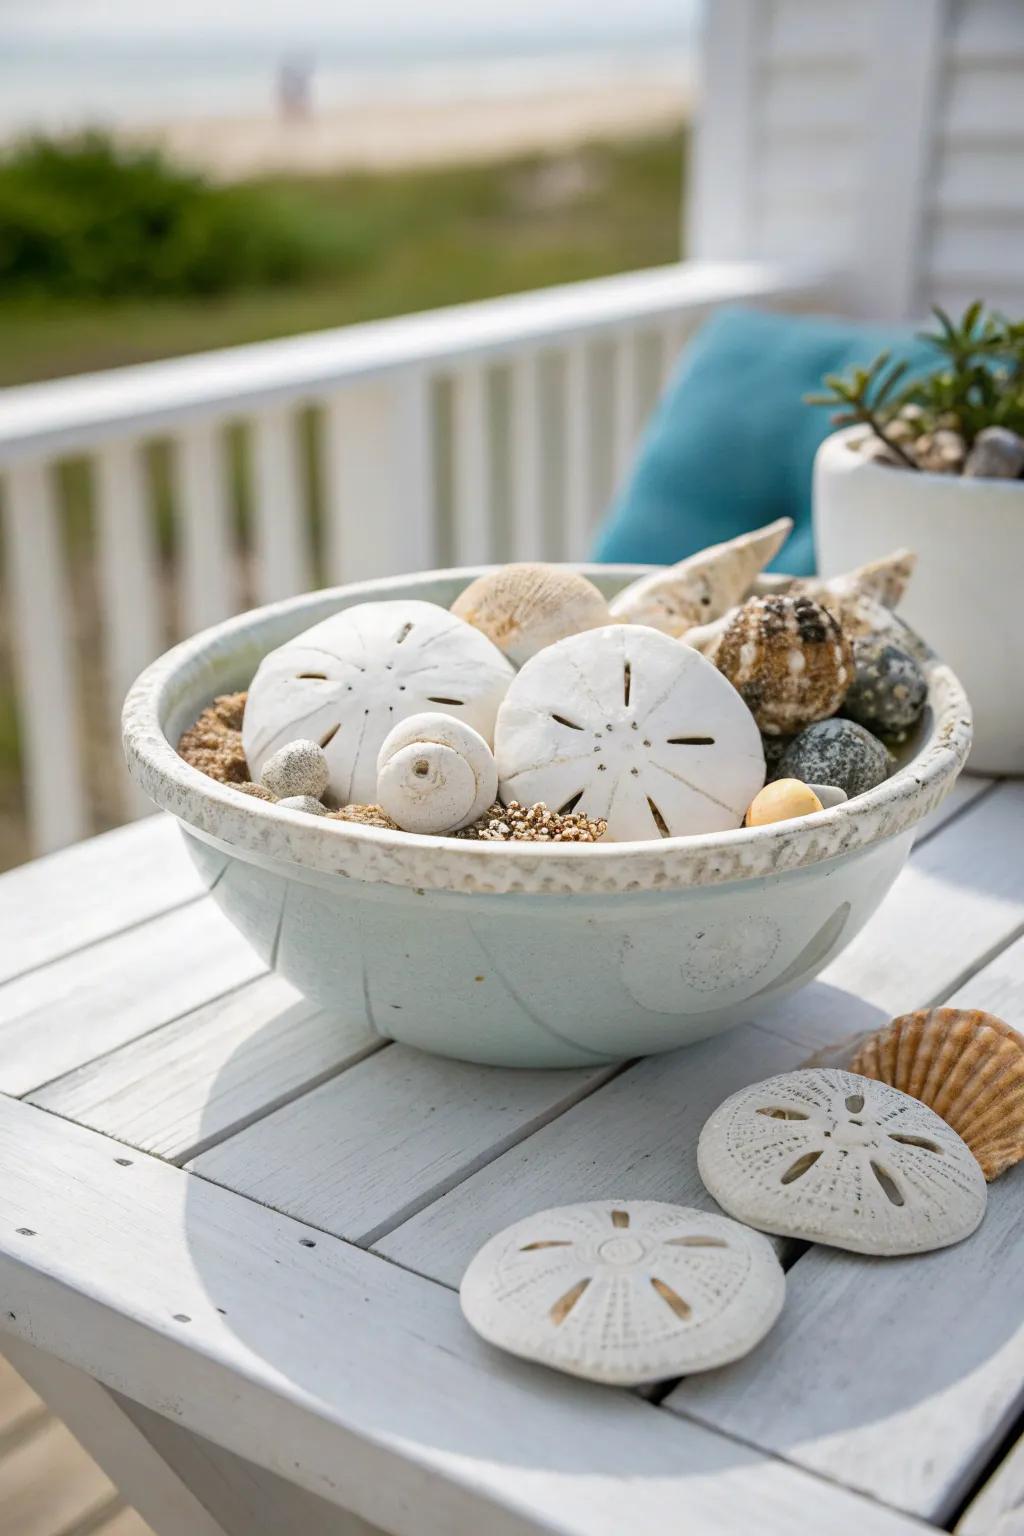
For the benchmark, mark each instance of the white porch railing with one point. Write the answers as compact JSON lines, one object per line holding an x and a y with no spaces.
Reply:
{"x":484,"y":432}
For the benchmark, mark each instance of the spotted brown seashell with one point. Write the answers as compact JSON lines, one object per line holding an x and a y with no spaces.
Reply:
{"x":788,"y":659}
{"x":966,"y":1065}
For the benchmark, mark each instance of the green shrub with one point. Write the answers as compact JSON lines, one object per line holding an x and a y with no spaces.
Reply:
{"x":84,"y":218}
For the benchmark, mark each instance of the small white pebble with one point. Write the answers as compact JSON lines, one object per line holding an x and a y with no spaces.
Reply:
{"x":298,"y":768}
{"x":307,"y":803}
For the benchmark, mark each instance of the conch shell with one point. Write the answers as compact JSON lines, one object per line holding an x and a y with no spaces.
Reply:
{"x":966,"y":1065}
{"x":701,"y":588}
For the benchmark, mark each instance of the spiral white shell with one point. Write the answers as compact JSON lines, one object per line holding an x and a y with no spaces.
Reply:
{"x":624,"y":1291}
{"x":626,"y":724}
{"x":435,"y":774}
{"x":349,"y":680}
{"x":834,"y":1158}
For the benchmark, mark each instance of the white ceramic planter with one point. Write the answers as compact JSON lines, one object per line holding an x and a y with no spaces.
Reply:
{"x":966,"y":594}
{"x":510,"y":953}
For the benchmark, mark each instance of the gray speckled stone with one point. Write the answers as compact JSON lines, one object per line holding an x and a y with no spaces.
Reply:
{"x":888,"y":691}
{"x":838,"y":752}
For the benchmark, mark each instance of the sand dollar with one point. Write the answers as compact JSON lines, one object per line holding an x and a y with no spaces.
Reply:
{"x":349,"y":680}
{"x":627,"y":724}
{"x":624,"y":1291}
{"x":835,"y":1158}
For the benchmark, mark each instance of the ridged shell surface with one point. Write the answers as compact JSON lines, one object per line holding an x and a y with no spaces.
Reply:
{"x":523,"y":608}
{"x":349,"y":680}
{"x":966,"y":1065}
{"x":624,"y":1291}
{"x":832,"y":1157}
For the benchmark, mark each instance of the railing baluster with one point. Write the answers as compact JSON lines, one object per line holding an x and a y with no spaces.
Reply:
{"x":527,"y":460}
{"x":471,"y":458}
{"x":626,"y":403}
{"x":43,"y":659}
{"x":208,"y":564}
{"x":579,"y":466}
{"x":674,"y":334}
{"x":378,"y":474}
{"x":129,"y":583}
{"x":281,"y":529}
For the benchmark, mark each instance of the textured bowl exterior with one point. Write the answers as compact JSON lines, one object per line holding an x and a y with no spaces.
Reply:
{"x":510,"y":954}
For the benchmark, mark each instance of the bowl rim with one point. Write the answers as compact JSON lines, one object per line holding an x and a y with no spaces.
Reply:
{"x":265,"y":833}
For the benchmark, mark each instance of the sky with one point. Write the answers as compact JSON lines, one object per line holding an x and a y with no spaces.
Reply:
{"x":111,"y":20}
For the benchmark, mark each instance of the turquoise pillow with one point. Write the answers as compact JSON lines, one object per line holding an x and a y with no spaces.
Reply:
{"x":731,"y":445}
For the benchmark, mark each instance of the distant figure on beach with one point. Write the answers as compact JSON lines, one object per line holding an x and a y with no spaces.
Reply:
{"x":294,"y":79}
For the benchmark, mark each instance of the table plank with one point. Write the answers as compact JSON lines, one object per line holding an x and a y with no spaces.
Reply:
{"x":635,"y":1138}
{"x":181,"y":1088}
{"x":389,"y":1135}
{"x":896,"y":1376}
{"x":60,"y":903}
{"x":70,"y":1012}
{"x":998,"y":1508}
{"x":959,"y":900}
{"x":361,"y":1380}
{"x":968,"y":787}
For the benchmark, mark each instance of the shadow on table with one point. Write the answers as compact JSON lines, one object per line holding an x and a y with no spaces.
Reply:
{"x":330,"y":1326}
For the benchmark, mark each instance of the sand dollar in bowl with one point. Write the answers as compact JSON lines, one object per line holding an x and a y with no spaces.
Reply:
{"x":512,"y":953}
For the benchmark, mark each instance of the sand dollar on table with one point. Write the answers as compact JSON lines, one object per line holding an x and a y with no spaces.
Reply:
{"x":349,"y":680}
{"x":831,"y":1157}
{"x":630,"y":725}
{"x":624,"y":1291}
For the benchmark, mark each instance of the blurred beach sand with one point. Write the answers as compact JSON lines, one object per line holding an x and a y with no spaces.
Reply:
{"x":399,"y":135}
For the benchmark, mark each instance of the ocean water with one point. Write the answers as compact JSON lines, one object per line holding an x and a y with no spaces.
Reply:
{"x":60,"y":77}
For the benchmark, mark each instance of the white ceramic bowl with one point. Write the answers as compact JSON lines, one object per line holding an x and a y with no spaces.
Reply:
{"x":510,"y":953}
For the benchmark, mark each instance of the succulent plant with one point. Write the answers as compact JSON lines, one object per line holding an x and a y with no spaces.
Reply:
{"x":964,"y":415}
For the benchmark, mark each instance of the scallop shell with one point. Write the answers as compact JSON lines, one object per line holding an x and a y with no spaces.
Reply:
{"x":702,"y":587}
{"x":523,"y":608}
{"x":788,"y":659}
{"x":835,"y":1158}
{"x":349,"y":680}
{"x":624,"y":1291}
{"x":966,"y":1065}
{"x":627,"y":725}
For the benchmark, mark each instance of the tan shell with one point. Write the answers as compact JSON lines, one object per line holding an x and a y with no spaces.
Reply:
{"x":782,"y":800}
{"x":966,"y":1065}
{"x":523,"y":608}
{"x":884,"y":580}
{"x":703,"y":587}
{"x":789,"y":661}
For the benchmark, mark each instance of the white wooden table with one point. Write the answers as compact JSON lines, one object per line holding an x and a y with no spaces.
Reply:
{"x":232,"y":1228}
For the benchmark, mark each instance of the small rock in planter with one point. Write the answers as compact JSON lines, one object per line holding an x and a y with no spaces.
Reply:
{"x":889,"y":689}
{"x":941,"y":453}
{"x":298,"y":768}
{"x":877,"y":452}
{"x":308,"y":803}
{"x":838,"y":752}
{"x":997,"y":454}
